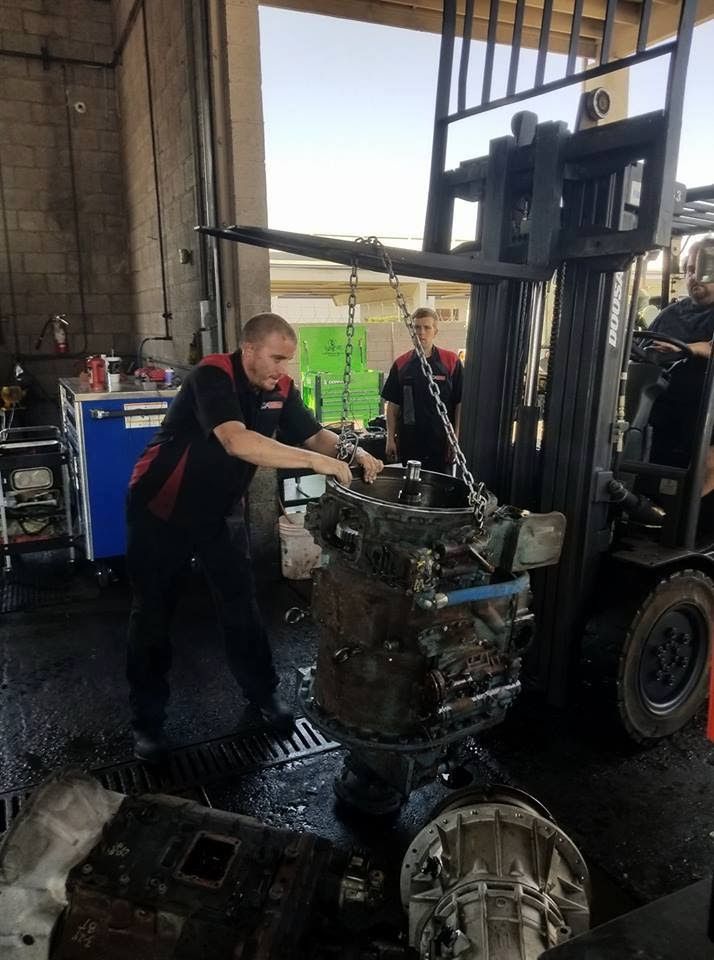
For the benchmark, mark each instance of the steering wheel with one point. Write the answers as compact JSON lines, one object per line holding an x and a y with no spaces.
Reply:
{"x":641,"y":353}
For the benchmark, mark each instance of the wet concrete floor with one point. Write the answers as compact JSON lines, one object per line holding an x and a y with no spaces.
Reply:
{"x":644,"y":820}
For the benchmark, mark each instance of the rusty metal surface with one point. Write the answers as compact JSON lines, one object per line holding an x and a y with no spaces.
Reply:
{"x":388,"y":669}
{"x":170,"y":878}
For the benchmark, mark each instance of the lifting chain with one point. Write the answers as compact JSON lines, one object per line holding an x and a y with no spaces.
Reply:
{"x":554,"y":332}
{"x":477,"y":491}
{"x":348,"y":441}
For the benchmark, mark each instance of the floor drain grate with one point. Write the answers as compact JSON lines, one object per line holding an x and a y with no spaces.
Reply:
{"x":17,"y":596}
{"x":197,"y":765}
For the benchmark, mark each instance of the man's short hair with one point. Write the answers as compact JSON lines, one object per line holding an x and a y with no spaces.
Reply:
{"x":422,"y":312}
{"x":262,"y":325}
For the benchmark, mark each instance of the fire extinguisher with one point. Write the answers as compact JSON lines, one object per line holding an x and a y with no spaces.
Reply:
{"x":59,"y":324}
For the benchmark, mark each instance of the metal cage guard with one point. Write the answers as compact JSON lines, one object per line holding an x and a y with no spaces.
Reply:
{"x":656,"y":145}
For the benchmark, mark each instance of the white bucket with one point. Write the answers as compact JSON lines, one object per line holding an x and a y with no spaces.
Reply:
{"x":299,"y":554}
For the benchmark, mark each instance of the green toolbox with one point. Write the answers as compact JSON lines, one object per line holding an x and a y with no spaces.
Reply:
{"x":322,"y":368}
{"x":322,"y":348}
{"x":322,"y":392}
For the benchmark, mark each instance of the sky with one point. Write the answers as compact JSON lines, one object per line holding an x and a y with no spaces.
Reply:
{"x":349,"y":106}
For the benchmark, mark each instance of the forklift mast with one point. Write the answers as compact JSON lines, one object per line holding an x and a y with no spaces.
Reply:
{"x":583,"y":206}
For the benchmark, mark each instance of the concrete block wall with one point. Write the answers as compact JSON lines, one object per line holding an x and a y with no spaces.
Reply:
{"x":161,"y":27}
{"x":166,"y":40}
{"x":386,"y":341}
{"x":310,"y":310}
{"x":42,"y":259}
{"x":246,"y":201}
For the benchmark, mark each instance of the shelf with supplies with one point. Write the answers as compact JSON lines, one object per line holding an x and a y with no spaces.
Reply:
{"x":35,"y":492}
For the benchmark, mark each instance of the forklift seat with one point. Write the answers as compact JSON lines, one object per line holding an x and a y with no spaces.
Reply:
{"x":645,"y":383}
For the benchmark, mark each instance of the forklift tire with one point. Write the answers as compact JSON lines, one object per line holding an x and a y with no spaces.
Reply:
{"x":662,"y":668}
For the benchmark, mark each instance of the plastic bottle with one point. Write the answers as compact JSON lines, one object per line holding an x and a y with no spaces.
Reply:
{"x":97,"y":373}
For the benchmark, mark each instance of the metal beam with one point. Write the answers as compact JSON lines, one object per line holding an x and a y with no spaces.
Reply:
{"x":411,"y":263}
{"x":412,"y":15}
{"x":701,"y":193}
{"x":428,"y":19}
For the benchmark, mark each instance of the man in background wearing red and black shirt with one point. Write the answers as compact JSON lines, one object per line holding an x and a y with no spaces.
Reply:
{"x":185,"y":499}
{"x":414,"y":428}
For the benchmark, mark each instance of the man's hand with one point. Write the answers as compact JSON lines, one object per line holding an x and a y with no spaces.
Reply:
{"x":371,"y":466}
{"x":330,"y":467}
{"x":701,"y":348}
{"x":661,"y":347}
{"x":391,"y":452}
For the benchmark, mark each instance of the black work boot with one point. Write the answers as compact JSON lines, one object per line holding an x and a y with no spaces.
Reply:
{"x":151,"y":746}
{"x":276,"y":712}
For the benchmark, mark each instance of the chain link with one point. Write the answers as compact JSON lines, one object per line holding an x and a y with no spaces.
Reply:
{"x":554,"y":333}
{"x":347,"y":443}
{"x":478,"y":498}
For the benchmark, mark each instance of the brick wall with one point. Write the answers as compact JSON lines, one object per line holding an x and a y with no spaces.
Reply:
{"x":239,"y":148}
{"x":167,"y":49}
{"x":310,"y":310}
{"x":41,"y":257}
{"x":386,"y":341}
{"x":244,"y":198}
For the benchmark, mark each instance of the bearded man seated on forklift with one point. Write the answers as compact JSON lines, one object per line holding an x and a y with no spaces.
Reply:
{"x":690,"y":320}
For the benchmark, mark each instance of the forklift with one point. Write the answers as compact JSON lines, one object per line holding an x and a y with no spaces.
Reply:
{"x":567,"y":218}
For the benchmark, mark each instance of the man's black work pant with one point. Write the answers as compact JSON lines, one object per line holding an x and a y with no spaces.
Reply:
{"x":156,"y":552}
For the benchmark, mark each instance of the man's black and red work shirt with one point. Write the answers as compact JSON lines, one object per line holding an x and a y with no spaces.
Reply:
{"x":185,"y":476}
{"x":420,"y":433}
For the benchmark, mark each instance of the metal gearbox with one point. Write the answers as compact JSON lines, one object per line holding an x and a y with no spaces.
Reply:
{"x":492,"y":877}
{"x":423,"y":618}
{"x":88,"y":872}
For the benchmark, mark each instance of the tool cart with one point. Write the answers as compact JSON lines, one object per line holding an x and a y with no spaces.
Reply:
{"x":106,"y":431}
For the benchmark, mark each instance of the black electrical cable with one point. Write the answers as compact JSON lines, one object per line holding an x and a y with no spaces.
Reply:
{"x":47,"y":58}
{"x":126,"y":32}
{"x":157,"y":190}
{"x":75,"y":354}
{"x":10,"y":276}
{"x":75,"y":210}
{"x":167,"y":361}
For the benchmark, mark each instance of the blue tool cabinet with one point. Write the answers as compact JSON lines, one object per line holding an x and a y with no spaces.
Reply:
{"x":106,"y":432}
